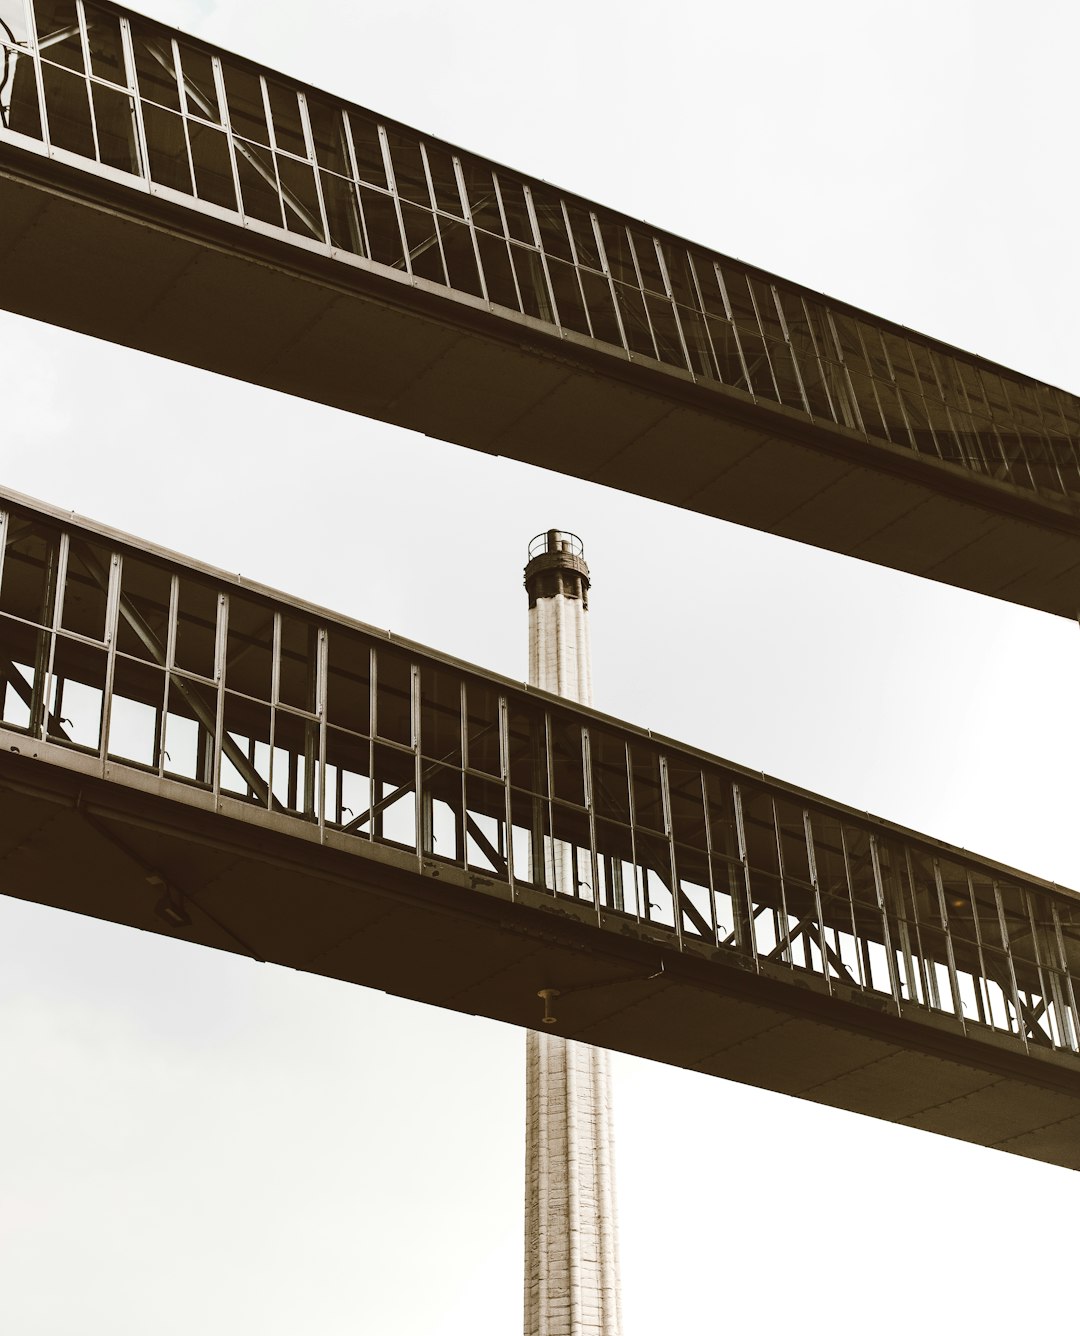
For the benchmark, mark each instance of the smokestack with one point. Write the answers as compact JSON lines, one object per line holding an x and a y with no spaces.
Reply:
{"x":557,"y":582}
{"x":571,"y":1240}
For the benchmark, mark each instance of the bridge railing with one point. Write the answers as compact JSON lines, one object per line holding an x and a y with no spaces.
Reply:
{"x":132,"y":662}
{"x":97,"y":87}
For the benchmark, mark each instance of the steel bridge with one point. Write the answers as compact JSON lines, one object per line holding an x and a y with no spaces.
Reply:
{"x":232,"y":218}
{"x":189,"y":753}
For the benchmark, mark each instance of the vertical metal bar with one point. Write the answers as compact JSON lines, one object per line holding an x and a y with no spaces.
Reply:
{"x":530,"y":209}
{"x":230,"y":138}
{"x":703,"y":312}
{"x":322,"y":660}
{"x":676,"y":891}
{"x":912,"y":978}
{"x":633,"y":838}
{"x":1070,"y":990}
{"x":819,"y":357}
{"x":782,"y":321}
{"x":951,"y":410}
{"x":501,"y":206}
{"x":414,"y":713}
{"x":252,"y":768}
{"x":1038,"y":951}
{"x":543,"y":830}
{"x":310,"y":758}
{"x":868,"y":365}
{"x":219,"y":676}
{"x":132,"y":85}
{"x":275,"y":678}
{"x":506,"y":234}
{"x":540,"y":258}
{"x":436,"y":230}
{"x":88,"y":85}
{"x":674,"y":311}
{"x":428,"y":180}
{"x":112,"y":605}
{"x":954,"y":981}
{"x":537,"y":763}
{"x":35,"y":58}
{"x":112,"y":600}
{"x":169,"y":658}
{"x":43,"y":654}
{"x":784,"y":938}
{"x":372,"y":794}
{"x":932,"y":393}
{"x":57,"y":612}
{"x":860,"y":942}
{"x":590,"y":807}
{"x":504,"y":776}
{"x":395,"y":197}
{"x":470,"y":223}
{"x":292,"y":783}
{"x":354,"y":178}
{"x":749,"y":937}
{"x":709,"y":860}
{"x":855,"y":408}
{"x":922,"y":971}
{"x":184,"y":123}
{"x":606,"y":267}
{"x":574,"y":257}
{"x":890,"y":955}
{"x":61,"y":579}
{"x":268,"y":116}
{"x":463,"y":739}
{"x":909,"y":426}
{"x":982,"y":992}
{"x":373,"y":688}
{"x":309,"y":145}
{"x":722,"y":286}
{"x":1060,"y":1018}
{"x":976,"y":412}
{"x":1018,"y":1006}
{"x":640,"y":285}
{"x":920,"y":390}
{"x":776,"y":395}
{"x":811,"y":859}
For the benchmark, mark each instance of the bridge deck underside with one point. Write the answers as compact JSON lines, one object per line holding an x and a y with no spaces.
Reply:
{"x":418,"y":929}
{"x":397,"y":349}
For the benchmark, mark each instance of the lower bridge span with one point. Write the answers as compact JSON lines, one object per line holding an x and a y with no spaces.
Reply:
{"x":184,"y":752}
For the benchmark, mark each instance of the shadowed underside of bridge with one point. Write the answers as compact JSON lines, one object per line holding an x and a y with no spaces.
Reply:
{"x":186,"y":753}
{"x":417,"y":929}
{"x":170,"y":197}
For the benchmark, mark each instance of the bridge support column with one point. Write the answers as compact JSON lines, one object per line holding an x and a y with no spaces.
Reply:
{"x":571,"y":1243}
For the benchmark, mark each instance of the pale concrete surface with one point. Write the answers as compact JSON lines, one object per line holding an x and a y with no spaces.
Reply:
{"x":559,"y":652}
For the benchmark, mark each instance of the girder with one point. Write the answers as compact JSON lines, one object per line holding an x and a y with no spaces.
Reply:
{"x":347,"y":259}
{"x":185,"y":752}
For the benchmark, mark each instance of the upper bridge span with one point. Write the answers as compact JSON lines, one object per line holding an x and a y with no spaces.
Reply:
{"x":166,"y":195}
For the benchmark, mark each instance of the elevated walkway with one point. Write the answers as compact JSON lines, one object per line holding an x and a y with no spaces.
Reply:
{"x":165,"y":195}
{"x":188,"y":753}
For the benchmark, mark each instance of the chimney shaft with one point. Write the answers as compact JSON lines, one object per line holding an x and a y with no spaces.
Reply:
{"x":571,"y":1243}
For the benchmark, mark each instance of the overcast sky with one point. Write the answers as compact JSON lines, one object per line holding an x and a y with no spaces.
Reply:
{"x":197,"y":1143}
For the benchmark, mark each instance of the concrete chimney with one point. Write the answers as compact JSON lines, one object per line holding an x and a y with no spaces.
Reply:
{"x":557,"y":582}
{"x":571,"y":1243}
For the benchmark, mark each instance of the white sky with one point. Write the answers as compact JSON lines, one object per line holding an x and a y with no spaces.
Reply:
{"x":194,"y":1142}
